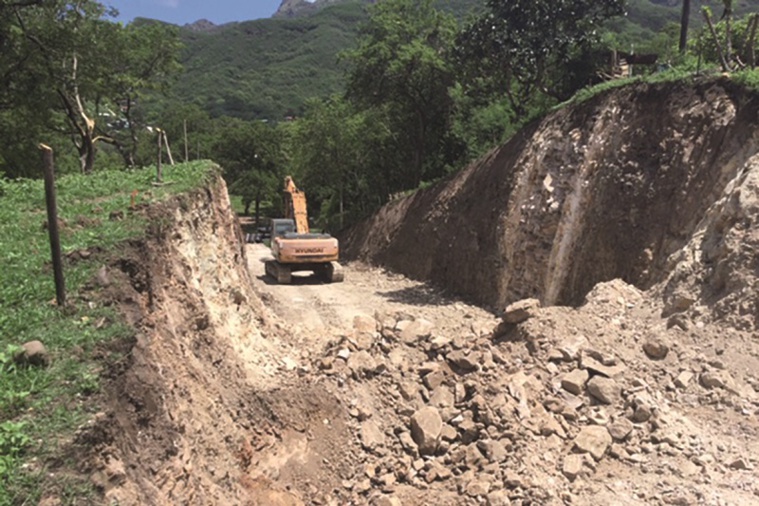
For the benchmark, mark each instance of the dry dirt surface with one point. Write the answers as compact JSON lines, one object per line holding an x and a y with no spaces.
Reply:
{"x":385,"y":391}
{"x":605,"y":403}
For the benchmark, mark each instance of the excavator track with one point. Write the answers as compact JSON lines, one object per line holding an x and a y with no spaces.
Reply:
{"x":281,"y":273}
{"x":335,"y":273}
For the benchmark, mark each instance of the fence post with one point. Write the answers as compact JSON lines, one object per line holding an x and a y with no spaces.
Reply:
{"x":52,"y":224}
{"x":186,"y":148}
{"x":159,"y":170}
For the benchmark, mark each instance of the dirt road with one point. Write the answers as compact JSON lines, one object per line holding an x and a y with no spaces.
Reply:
{"x":516,"y":423}
{"x":327,"y":310}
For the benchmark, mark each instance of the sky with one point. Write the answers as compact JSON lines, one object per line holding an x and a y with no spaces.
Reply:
{"x":180,"y":12}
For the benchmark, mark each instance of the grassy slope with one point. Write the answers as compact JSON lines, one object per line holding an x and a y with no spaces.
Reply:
{"x":41,"y":407}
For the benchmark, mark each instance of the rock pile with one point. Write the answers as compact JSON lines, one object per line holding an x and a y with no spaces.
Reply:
{"x":532,"y":412}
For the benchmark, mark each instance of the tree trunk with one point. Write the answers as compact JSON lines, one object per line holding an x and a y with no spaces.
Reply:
{"x":419,"y":151}
{"x":87,"y":154}
{"x":186,"y":148}
{"x":720,"y":53}
{"x":342,"y":206}
{"x":751,"y":56}
{"x":131,"y":152}
{"x":258,"y":211}
{"x":728,"y":38}
{"x":684,"y":20}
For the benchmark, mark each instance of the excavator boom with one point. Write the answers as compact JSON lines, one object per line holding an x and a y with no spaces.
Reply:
{"x":295,"y":206}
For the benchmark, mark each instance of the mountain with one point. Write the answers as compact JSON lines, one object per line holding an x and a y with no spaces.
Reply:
{"x":295,"y":8}
{"x":269,"y":68}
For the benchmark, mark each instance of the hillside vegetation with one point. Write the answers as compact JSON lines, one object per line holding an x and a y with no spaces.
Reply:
{"x":269,"y":68}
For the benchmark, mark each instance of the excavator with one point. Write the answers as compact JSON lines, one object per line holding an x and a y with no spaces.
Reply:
{"x":295,"y":248}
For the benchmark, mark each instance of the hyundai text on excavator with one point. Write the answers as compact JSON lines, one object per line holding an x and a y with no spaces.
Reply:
{"x":296,"y":249}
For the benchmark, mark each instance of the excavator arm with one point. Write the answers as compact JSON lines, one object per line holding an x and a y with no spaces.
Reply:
{"x":295,"y":206}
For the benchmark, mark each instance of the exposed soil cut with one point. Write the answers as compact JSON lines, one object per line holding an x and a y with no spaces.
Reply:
{"x":640,"y":183}
{"x":384,"y":390}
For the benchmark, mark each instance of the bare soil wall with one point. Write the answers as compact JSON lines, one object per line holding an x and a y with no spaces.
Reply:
{"x":197,"y":392}
{"x":611,"y":188}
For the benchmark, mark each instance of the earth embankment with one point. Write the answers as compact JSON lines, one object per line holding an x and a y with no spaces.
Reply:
{"x":614,"y":187}
{"x":382,"y":390}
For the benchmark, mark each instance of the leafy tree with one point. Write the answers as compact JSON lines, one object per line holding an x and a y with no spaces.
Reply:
{"x":69,"y":68}
{"x":517,"y":46}
{"x":251,"y":155}
{"x":175,"y":118}
{"x":400,"y":67}
{"x":336,"y":152}
{"x":73,"y":40}
{"x":741,"y":32}
{"x":482,"y":124}
{"x":145,"y":62}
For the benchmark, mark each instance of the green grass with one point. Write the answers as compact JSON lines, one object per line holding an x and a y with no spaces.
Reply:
{"x":41,"y":407}
{"x":749,"y":78}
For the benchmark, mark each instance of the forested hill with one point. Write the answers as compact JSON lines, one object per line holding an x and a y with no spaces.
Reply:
{"x":268,"y":68}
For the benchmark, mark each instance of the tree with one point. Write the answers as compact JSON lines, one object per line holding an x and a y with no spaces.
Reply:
{"x":251,"y":155}
{"x":73,"y":41}
{"x":336,"y":154}
{"x":78,"y":68}
{"x":145,"y":61}
{"x":739,"y":52}
{"x":517,"y":45}
{"x":401,"y":68}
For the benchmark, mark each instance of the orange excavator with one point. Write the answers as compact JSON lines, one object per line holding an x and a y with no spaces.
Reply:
{"x":295,"y":248}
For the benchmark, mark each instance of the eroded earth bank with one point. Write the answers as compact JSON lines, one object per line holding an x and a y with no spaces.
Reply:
{"x":636,"y":210}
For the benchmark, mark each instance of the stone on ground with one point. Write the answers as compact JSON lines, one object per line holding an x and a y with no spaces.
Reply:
{"x":521,"y":311}
{"x":426,"y":425}
{"x":33,"y":353}
{"x":593,"y":439}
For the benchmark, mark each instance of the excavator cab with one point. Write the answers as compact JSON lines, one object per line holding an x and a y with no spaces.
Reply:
{"x":281,"y":227}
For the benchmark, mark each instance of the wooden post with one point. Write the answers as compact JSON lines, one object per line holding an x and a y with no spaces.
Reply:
{"x":749,"y":51}
{"x":186,"y":147}
{"x":684,"y":21}
{"x":159,"y":171}
{"x":168,"y":148}
{"x":52,"y":224}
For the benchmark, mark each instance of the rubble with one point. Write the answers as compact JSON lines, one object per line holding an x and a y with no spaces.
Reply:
{"x":477,"y":407}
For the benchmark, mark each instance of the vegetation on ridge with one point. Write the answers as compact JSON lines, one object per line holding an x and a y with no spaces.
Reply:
{"x":41,"y":407}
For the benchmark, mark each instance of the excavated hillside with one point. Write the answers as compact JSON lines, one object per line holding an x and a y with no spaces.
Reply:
{"x":653,"y":184}
{"x":386,"y":391}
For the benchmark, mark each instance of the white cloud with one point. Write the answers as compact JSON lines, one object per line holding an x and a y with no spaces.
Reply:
{"x":169,"y":3}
